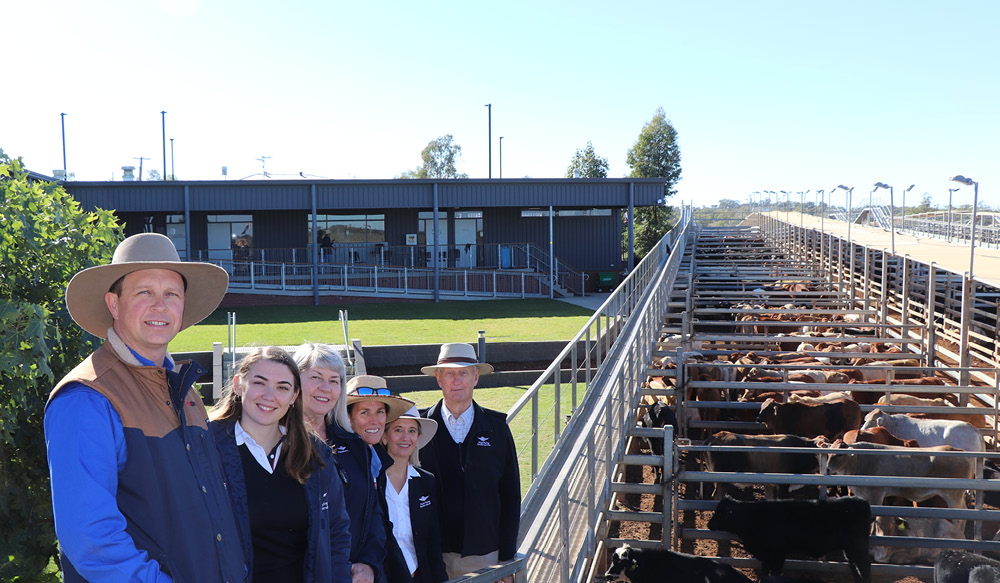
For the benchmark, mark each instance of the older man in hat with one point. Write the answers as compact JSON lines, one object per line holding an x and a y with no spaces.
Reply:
{"x":137,"y":487}
{"x":475,"y":462}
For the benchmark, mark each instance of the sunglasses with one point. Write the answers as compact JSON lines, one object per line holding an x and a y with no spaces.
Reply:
{"x":371,"y":391}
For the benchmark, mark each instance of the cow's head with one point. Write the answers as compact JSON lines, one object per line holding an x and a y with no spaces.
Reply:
{"x":768,"y":411}
{"x":875,"y":418}
{"x":623,"y":563}
{"x":913,"y":527}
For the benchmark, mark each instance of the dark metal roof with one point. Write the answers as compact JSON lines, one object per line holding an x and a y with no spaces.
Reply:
{"x":247,"y":195}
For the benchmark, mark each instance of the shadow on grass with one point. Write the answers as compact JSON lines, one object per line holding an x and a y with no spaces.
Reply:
{"x":450,"y":310}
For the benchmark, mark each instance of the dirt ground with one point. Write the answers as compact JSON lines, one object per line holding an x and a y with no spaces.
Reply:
{"x":646,"y":531}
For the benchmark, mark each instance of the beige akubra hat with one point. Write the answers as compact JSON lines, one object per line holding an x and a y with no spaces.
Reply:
{"x":457,"y":355}
{"x":205,"y":283}
{"x":368,"y":387}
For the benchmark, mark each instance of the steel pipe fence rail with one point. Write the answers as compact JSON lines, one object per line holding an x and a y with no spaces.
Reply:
{"x":563,"y":510}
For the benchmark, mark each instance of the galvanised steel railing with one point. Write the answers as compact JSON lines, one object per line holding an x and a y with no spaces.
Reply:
{"x":562,"y":511}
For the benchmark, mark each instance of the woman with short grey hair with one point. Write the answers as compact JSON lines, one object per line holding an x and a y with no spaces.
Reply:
{"x":324,"y":396}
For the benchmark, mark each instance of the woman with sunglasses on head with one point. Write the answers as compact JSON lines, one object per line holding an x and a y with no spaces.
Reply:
{"x":370,"y":406}
{"x":282,"y":482}
{"x":410,"y":496}
{"x":325,"y":410}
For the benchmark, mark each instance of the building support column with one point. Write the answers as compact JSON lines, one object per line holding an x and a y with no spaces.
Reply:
{"x":437,"y":268}
{"x":315,"y":247}
{"x":187,"y":222}
{"x":631,"y":226}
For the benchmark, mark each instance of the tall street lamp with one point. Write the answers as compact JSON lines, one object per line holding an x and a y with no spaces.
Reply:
{"x":975,"y":204}
{"x":892,"y":212}
{"x":850,"y":246}
{"x":903,"y":226}
{"x":172,"y":175}
{"x":489,"y":135}
{"x":163,"y":120}
{"x":802,"y":207}
{"x":950,"y":191}
{"x":968,"y":285}
{"x":501,"y":156}
{"x":62,"y":121}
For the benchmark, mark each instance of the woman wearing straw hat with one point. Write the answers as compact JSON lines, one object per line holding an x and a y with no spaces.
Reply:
{"x":283,"y":484}
{"x":369,"y":407}
{"x":409,"y":493}
{"x":325,"y":410}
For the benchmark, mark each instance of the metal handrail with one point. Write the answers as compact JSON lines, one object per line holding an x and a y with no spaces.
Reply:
{"x":562,"y":511}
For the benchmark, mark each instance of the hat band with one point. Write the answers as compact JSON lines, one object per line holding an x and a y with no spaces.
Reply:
{"x":454,"y":359}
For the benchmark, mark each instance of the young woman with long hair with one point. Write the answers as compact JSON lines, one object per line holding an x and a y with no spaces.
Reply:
{"x":283,"y":485}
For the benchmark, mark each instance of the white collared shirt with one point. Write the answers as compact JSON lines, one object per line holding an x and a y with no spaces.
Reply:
{"x":262,"y":457}
{"x":399,"y":514}
{"x":459,"y":426}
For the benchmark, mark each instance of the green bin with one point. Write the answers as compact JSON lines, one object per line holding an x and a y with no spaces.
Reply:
{"x":605,"y":280}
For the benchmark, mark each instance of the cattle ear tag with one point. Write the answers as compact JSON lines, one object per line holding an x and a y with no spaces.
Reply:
{"x":901,"y":525}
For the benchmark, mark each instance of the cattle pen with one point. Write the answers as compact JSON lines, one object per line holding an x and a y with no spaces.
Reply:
{"x":765,"y":309}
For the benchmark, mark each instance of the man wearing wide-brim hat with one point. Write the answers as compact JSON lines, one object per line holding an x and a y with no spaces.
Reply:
{"x":475,"y":462}
{"x":137,"y":487}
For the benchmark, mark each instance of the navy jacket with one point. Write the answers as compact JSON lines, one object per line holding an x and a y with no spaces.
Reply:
{"x":426,"y":529}
{"x":329,"y":531}
{"x":486,"y":466}
{"x":361,"y":496}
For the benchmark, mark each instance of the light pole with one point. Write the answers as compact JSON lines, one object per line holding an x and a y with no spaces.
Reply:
{"x":501,"y":156}
{"x":969,"y":286}
{"x":62,"y":121}
{"x":140,"y":159}
{"x":850,"y":246}
{"x":975,"y":204}
{"x":785,"y":192}
{"x":892,"y":212}
{"x":903,"y":226}
{"x":489,"y":135}
{"x":172,"y":175}
{"x":802,"y":207}
{"x":950,"y":191}
{"x":163,"y":120}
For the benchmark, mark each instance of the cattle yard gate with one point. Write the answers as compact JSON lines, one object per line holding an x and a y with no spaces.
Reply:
{"x":740,"y":310}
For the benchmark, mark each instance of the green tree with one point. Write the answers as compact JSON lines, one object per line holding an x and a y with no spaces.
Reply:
{"x":439,"y":158}
{"x":588,"y":163}
{"x":46,"y":238}
{"x":924,"y":206}
{"x":654,"y":155}
{"x":153,"y":174}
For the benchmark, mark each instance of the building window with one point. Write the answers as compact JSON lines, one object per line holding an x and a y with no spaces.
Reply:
{"x":366,"y":228}
{"x":177,"y":233}
{"x":230,"y":231}
{"x":536,"y":213}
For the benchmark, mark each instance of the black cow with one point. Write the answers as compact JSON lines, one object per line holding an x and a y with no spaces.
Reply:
{"x":655,"y":565}
{"x":658,"y":415}
{"x":760,"y":461}
{"x":771,"y":529}
{"x":954,"y":566}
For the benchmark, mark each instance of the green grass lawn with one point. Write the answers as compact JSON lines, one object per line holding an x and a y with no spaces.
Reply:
{"x":387,"y":323}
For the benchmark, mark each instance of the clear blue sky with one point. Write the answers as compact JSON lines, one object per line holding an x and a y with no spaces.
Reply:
{"x":769,"y":95}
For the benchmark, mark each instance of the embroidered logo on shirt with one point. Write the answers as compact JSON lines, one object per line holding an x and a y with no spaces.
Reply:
{"x":341,"y":449}
{"x":484,"y":441}
{"x":424,"y":501}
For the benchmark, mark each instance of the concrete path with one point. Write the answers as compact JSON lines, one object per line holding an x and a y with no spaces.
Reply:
{"x":952,"y":256}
